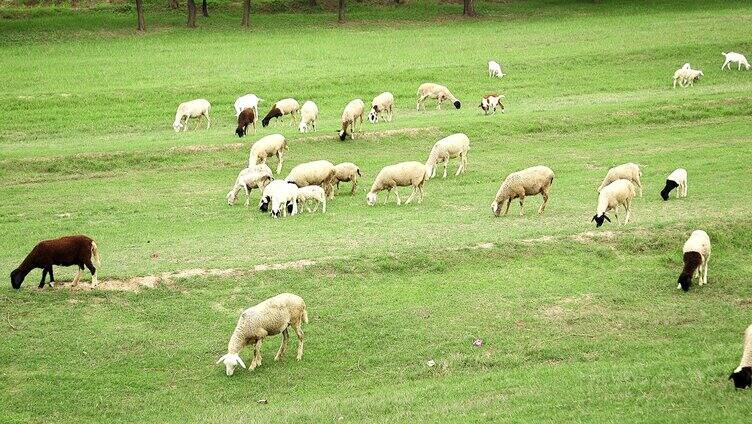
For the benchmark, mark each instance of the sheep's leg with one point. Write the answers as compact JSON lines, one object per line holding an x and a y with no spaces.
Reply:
{"x":412,"y":194}
{"x":77,"y":278}
{"x":198,"y":122}
{"x":446,"y":165}
{"x":705,"y":270}
{"x":421,"y":101}
{"x":616,"y":214}
{"x":509,"y":202}
{"x":388,"y":192}
{"x":93,"y":271}
{"x":724,"y":65}
{"x":639,"y":185}
{"x":461,"y":167}
{"x":685,"y":189}
{"x":626,"y":218}
{"x":256,"y":355}
{"x":739,"y":67}
{"x":323,"y":206}
{"x":52,"y":277}
{"x":279,"y":161}
{"x":44,"y":276}
{"x":299,"y":332}
{"x":247,"y":195}
{"x":438,"y":103}
{"x":522,"y":205}
{"x":420,"y":192}
{"x":396,"y":193}
{"x":544,"y":193}
{"x":283,"y":346}
{"x":354,"y":187}
{"x":208,"y":121}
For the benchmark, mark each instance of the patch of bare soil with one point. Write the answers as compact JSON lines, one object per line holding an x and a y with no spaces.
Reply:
{"x":572,"y":307}
{"x":594,"y":236}
{"x":373,"y":134}
{"x":200,"y":148}
{"x":541,"y":239}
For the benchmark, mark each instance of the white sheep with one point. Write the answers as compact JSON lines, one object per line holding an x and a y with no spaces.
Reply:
{"x":320,"y":173}
{"x":192,"y":109}
{"x":402,"y":174}
{"x":494,"y":69}
{"x":245,"y":102}
{"x":270,"y":317}
{"x":383,"y":103}
{"x":692,"y":75}
{"x":453,"y":146}
{"x":354,"y":110}
{"x":628,"y":171}
{"x":742,"y":375}
{"x":347,"y":172}
{"x":281,"y":108}
{"x":678,"y":178}
{"x":619,"y":193}
{"x":430,"y":90}
{"x":737,"y":58}
{"x":696,"y":256}
{"x":309,"y":114}
{"x":528,"y":182}
{"x":312,"y":193}
{"x":490,"y":102}
{"x":266,"y":147}
{"x":257,"y":176}
{"x":279,"y":198}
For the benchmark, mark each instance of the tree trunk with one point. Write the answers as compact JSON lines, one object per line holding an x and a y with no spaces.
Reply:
{"x":140,"y":15}
{"x":191,"y":14}
{"x":341,"y":11}
{"x":204,"y":9}
{"x":173,"y":4}
{"x":246,"y":13}
{"x":468,"y":7}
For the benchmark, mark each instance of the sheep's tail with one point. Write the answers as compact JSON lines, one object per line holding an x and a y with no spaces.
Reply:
{"x":358,"y":170}
{"x":305,"y":315}
{"x":95,"y":253}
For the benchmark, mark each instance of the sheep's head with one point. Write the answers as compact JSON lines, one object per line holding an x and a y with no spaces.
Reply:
{"x":16,"y":278}
{"x":265,"y":121}
{"x":501,"y":105}
{"x":371,"y":198}
{"x":232,"y":196}
{"x":742,"y":377}
{"x":495,"y":208}
{"x":264,"y":204}
{"x":231,"y":360}
{"x":240,"y":131}
{"x":599,"y":219}
{"x":373,"y":117}
{"x":670,"y":185}
{"x":177,"y":126}
{"x":457,"y":104}
{"x":303,"y":127}
{"x":342,"y":135}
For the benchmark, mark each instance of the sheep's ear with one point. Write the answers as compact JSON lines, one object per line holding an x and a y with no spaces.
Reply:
{"x":607,"y":219}
{"x":222,"y":358}
{"x":240,"y":360}
{"x":593,"y":218}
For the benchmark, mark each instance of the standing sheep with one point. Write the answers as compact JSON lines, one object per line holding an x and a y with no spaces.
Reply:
{"x":528,"y":182}
{"x":742,"y":375}
{"x":309,"y":114}
{"x":678,"y":178}
{"x":244,"y":102}
{"x":312,"y":193}
{"x":628,"y":171}
{"x":266,"y":147}
{"x":430,"y":90}
{"x":354,"y":110}
{"x":281,"y":108}
{"x":192,"y":109}
{"x":320,"y":173}
{"x":347,"y":171}
{"x":270,"y":317}
{"x":64,"y":251}
{"x":494,"y":69}
{"x":281,"y":196}
{"x":618,"y":193}
{"x":257,"y":176}
{"x":383,"y":103}
{"x":455,"y":145}
{"x":490,"y":102}
{"x":403,"y":174}
{"x":737,"y":58}
{"x":696,"y":256}
{"x":246,"y":117}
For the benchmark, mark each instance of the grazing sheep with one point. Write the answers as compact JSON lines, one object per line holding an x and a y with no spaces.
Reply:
{"x":320,"y":173}
{"x":244,"y":102}
{"x":383,"y":103}
{"x":628,"y":171}
{"x":64,"y":251}
{"x":528,"y":182}
{"x":270,"y":317}
{"x":257,"y":176}
{"x":347,"y":171}
{"x":737,"y":58}
{"x":692,"y":75}
{"x":494,"y":69}
{"x":403,"y":174}
{"x":354,"y":110}
{"x":282,"y":196}
{"x":192,"y":109}
{"x":312,"y":193}
{"x":309,"y":114}
{"x":696,"y":256}
{"x":430,"y":90}
{"x":490,"y":102}
{"x":742,"y":375}
{"x":620,"y":192}
{"x":678,"y":178}
{"x":455,"y":145}
{"x":281,"y":108}
{"x":247,"y":117}
{"x":266,"y":147}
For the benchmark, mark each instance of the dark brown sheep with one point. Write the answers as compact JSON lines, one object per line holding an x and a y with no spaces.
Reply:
{"x":65,"y":251}
{"x":246,"y":117}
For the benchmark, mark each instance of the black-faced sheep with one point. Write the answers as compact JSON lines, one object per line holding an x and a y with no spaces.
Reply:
{"x":696,"y":256}
{"x":430,"y":90}
{"x":619,"y":193}
{"x":678,"y":178}
{"x":281,"y":108}
{"x":65,"y":251}
{"x":742,"y":375}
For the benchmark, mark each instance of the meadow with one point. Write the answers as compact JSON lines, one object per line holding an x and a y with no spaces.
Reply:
{"x":578,"y":324}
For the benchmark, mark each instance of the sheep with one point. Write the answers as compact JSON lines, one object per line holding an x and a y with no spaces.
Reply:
{"x":320,"y":173}
{"x":354,"y":110}
{"x":628,"y":171}
{"x":696,"y":256}
{"x":383,"y":103}
{"x":691,"y":76}
{"x":314,"y":193}
{"x":491,"y":102}
{"x":65,"y":251}
{"x":679,"y":75}
{"x":435,"y":91}
{"x":270,"y":317}
{"x":455,"y":145}
{"x":256,"y":176}
{"x":247,"y":117}
{"x":732,"y":57}
{"x":309,"y":114}
{"x":620,"y":192}
{"x":494,"y":69}
{"x":192,"y":109}
{"x":282,"y":196}
{"x":266,"y":147}
{"x":347,"y":171}
{"x":742,"y":375}
{"x":283,"y":107}
{"x":528,"y":182}
{"x":678,"y":178}
{"x":244,"y":102}
{"x":403,"y":174}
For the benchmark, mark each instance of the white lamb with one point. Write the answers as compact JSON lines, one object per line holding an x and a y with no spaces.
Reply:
{"x":430,"y":90}
{"x":383,"y":103}
{"x":320,"y":173}
{"x":403,"y":174}
{"x":347,"y":172}
{"x":270,"y":317}
{"x":283,"y":107}
{"x":678,"y":178}
{"x":628,"y":171}
{"x":247,"y":101}
{"x":737,"y":58}
{"x":528,"y":182}
{"x":696,"y":256}
{"x":279,"y":198}
{"x":453,"y":146}
{"x":266,"y":147}
{"x":309,"y":114}
{"x":192,"y":109}
{"x":354,"y":110}
{"x":490,"y":102}
{"x":618,"y":193}
{"x":257,"y":176}
{"x":312,"y":193}
{"x":691,"y":76}
{"x":742,"y":375}
{"x":494,"y":69}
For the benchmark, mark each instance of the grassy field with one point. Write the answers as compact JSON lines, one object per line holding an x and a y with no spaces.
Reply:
{"x":578,"y":324}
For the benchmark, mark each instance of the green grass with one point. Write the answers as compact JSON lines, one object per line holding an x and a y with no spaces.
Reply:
{"x":578,"y":324}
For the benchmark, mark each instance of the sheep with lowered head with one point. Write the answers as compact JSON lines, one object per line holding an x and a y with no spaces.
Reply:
{"x":354,"y":110}
{"x":271,"y":317}
{"x":628,"y":171}
{"x":383,"y":103}
{"x":247,"y":117}
{"x":439,"y":92}
{"x":403,"y":174}
{"x":192,"y":109}
{"x":64,"y":251}
{"x":319,"y":172}
{"x":494,"y":69}
{"x":696,"y":256}
{"x":347,"y":171}
{"x":737,"y":58}
{"x":283,"y":107}
{"x":490,"y":102}
{"x":309,"y":114}
{"x":619,"y":193}
{"x":266,"y":147}
{"x":256,"y":176}
{"x":742,"y":375}
{"x":528,"y":182}
{"x":312,"y":193}
{"x":453,"y":146}
{"x":279,"y":198}
{"x":678,"y":178}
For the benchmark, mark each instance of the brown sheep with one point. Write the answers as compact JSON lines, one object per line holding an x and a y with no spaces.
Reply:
{"x":64,"y":251}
